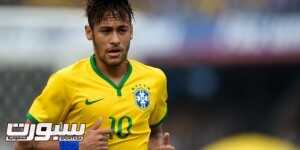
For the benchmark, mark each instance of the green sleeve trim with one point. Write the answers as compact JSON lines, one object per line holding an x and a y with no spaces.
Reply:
{"x":32,"y":119}
{"x":161,"y":120}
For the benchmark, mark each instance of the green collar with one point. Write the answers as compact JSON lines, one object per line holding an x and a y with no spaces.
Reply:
{"x":119,"y":87}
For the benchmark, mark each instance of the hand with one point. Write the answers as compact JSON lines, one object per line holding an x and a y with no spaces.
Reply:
{"x":166,"y":145}
{"x":96,"y":138}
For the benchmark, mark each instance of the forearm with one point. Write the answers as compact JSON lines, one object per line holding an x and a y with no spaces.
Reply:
{"x":154,"y":143}
{"x":155,"y":138}
{"x":31,"y":145}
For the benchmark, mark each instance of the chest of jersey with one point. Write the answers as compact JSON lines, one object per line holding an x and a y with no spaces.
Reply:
{"x":126,"y":114}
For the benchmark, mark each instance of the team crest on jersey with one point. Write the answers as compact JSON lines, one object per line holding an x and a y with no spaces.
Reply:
{"x":141,"y":95}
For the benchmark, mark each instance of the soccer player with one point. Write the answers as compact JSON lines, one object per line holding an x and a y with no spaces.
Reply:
{"x":128,"y":97}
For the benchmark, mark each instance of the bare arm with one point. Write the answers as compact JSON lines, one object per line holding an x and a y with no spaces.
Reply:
{"x":158,"y":140}
{"x":155,"y":137}
{"x":31,"y":145}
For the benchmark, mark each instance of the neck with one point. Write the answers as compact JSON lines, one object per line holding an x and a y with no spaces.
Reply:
{"x":115,"y":73}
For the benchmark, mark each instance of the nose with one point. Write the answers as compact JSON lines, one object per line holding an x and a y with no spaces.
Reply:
{"x":115,"y":39}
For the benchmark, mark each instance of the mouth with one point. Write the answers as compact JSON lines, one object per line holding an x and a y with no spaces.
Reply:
{"x":114,"y":52}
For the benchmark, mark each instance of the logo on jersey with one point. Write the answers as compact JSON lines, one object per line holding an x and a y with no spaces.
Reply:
{"x":90,"y":102}
{"x":142,"y":96}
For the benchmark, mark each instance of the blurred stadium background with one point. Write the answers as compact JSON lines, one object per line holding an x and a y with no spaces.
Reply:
{"x":232,"y":65}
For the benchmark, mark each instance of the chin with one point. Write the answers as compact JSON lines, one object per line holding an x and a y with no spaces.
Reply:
{"x":114,"y":62}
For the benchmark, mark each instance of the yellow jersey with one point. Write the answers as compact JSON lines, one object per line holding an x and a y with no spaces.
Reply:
{"x":81,"y":93}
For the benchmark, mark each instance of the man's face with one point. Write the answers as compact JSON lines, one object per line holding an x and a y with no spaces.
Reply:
{"x":111,"y":38}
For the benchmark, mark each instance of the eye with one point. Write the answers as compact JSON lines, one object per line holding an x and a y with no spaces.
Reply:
{"x":123,"y":30}
{"x":105,"y":30}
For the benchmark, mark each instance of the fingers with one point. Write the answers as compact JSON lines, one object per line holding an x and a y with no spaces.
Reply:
{"x":96,"y":125}
{"x":102,"y":148}
{"x":167,"y":147}
{"x":101,"y":134}
{"x":96,"y":137}
{"x":166,"y":142}
{"x":166,"y":138}
{"x":104,"y":131}
{"x":102,"y":137}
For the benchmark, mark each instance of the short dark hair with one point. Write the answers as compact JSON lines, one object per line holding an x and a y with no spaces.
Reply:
{"x":96,"y":9}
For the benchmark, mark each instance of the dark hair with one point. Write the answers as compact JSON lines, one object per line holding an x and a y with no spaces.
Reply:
{"x":96,"y":9}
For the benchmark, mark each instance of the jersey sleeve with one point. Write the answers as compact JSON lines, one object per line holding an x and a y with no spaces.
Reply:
{"x":160,"y":109}
{"x":52,"y":103}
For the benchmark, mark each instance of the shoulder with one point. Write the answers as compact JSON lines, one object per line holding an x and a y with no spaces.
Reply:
{"x":71,"y":71}
{"x":149,"y":70}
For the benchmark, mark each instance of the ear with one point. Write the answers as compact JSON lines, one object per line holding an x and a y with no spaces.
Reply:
{"x":88,"y":32}
{"x":131,"y":32}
